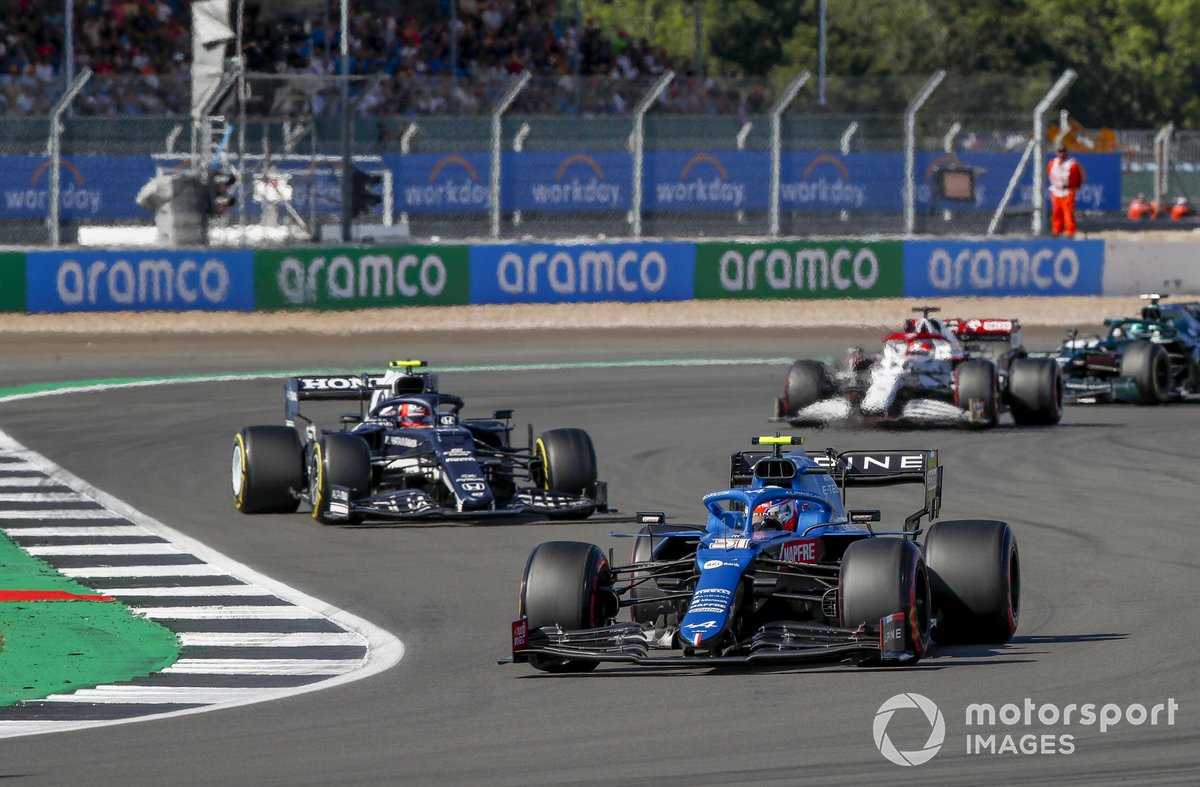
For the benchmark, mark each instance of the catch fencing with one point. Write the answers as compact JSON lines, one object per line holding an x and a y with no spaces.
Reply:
{"x":666,"y":156}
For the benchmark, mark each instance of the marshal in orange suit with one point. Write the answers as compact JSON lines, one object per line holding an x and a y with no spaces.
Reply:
{"x":1065,"y":176}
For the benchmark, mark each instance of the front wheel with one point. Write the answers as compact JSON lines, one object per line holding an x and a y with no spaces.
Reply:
{"x":807,"y":383}
{"x":267,"y":470}
{"x":1150,"y":369}
{"x":338,"y":459}
{"x":975,"y":581}
{"x":1035,"y":391}
{"x":566,"y":463}
{"x":976,"y":390}
{"x":882,"y":577}
{"x":566,"y":584}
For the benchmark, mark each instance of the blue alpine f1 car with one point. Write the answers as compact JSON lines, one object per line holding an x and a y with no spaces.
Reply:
{"x":782,"y":571}
{"x":407,"y":453}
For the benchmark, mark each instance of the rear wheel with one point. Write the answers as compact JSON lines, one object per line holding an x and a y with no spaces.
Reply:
{"x":882,"y":577}
{"x":338,"y":459}
{"x":1150,"y":368}
{"x":644,"y":547}
{"x":567,"y":462}
{"x":976,"y":390}
{"x":807,"y":383}
{"x":566,"y":584}
{"x":975,"y":581}
{"x":1035,"y":391}
{"x":267,"y":470}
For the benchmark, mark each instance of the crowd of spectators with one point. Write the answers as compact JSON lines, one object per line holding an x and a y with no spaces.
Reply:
{"x":138,"y":50}
{"x":140,"y":53}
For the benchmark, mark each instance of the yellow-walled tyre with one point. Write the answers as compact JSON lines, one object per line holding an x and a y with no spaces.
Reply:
{"x":566,"y":462}
{"x":267,"y":470}
{"x":338,"y":459}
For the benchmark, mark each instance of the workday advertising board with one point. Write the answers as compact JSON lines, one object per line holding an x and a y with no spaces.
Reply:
{"x":361,"y":278}
{"x":584,"y":273}
{"x":86,"y":280}
{"x":1003,"y":267}
{"x":802,"y":270}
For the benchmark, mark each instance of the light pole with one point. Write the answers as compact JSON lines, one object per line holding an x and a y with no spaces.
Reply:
{"x":821,"y":54}
{"x":347,"y":167}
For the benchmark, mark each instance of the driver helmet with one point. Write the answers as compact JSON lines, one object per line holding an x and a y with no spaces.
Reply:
{"x":412,"y":416}
{"x":776,"y":515}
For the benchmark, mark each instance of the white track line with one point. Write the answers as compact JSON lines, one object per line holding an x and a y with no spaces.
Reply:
{"x":59,"y":514}
{"x":204,"y":590}
{"x":7,"y":481}
{"x":31,"y":531}
{"x":263,"y":666}
{"x":227,"y":613}
{"x":155,"y":695}
{"x":189,"y":570}
{"x":104,"y":549}
{"x":41,"y":497}
{"x":267,"y":639}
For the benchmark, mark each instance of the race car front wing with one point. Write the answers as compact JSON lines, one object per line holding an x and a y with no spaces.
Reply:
{"x":776,"y":642}
{"x":418,"y":504}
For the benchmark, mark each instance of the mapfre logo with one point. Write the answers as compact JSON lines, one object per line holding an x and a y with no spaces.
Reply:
{"x":909,"y":701}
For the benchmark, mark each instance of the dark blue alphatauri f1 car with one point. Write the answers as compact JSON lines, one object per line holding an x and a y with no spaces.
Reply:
{"x":781,"y":572}
{"x":407,"y":453}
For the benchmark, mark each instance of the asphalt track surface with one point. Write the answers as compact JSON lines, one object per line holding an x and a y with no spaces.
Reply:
{"x":1103,"y":507}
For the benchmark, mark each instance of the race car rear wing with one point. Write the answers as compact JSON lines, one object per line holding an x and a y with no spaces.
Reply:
{"x":985,"y":329}
{"x":861,"y":468}
{"x":342,"y":387}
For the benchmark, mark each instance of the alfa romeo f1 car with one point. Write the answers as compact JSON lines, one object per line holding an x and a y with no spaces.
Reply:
{"x":407,"y":453}
{"x":782,"y":571}
{"x":1152,"y":358}
{"x":951,"y":371}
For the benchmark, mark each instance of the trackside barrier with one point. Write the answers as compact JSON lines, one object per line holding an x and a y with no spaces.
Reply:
{"x":584,"y":273}
{"x":800,"y":269}
{"x":1136,"y":266}
{"x":12,"y":281}
{"x":341,"y":278}
{"x":1003,"y":267}
{"x":361,"y":277}
{"x":187,"y":280}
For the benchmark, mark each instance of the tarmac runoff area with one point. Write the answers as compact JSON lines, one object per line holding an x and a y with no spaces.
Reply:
{"x":879,"y":313}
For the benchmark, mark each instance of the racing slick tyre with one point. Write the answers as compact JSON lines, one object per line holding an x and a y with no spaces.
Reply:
{"x":1150,"y":368}
{"x":642,"y":588}
{"x":566,"y":584}
{"x":807,"y":384}
{"x":882,"y":577}
{"x":975,"y":381}
{"x":568,"y":465}
{"x":268,"y":470}
{"x":338,"y":459}
{"x":974,"y":581}
{"x":1035,"y":391}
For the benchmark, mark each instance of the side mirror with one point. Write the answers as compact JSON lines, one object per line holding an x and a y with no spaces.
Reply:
{"x":865,"y":515}
{"x":503,"y":415}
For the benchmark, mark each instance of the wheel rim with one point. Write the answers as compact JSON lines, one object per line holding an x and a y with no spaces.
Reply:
{"x":541,"y":454}
{"x":317,"y":475}
{"x":920,"y":610}
{"x":238,"y":470}
{"x":1162,"y":376}
{"x":1014,"y":589}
